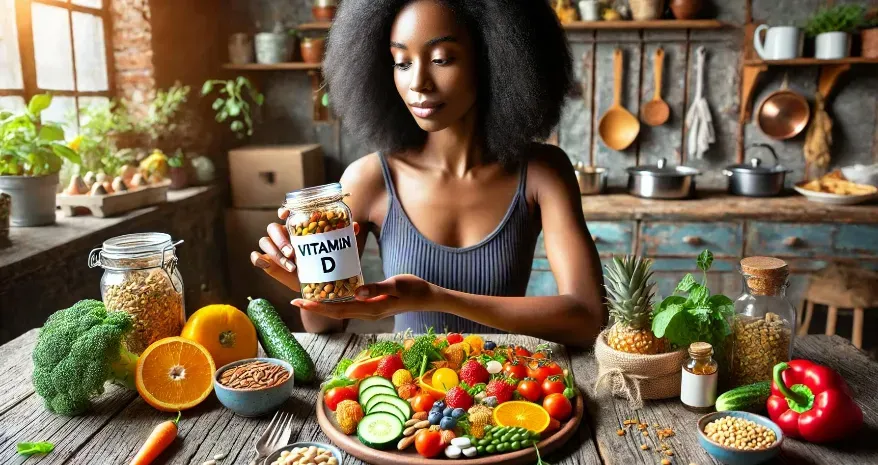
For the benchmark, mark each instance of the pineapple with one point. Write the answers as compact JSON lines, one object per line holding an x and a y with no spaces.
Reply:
{"x":630,"y":302}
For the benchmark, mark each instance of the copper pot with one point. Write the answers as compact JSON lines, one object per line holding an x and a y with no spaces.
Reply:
{"x":685,"y":9}
{"x":783,"y":114}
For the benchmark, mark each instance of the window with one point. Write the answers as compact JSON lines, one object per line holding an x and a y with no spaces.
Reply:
{"x":56,"y":46}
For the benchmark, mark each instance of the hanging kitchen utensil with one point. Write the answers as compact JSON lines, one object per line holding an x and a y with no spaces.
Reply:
{"x":818,"y":140}
{"x":618,"y":127}
{"x":784,"y":113}
{"x":656,"y":112}
{"x":699,"y":124}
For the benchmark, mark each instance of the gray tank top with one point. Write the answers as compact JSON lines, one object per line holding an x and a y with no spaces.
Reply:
{"x":499,"y":265}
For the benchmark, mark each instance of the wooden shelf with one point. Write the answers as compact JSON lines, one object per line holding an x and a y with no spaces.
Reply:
{"x":291,"y":66}
{"x":316,"y":26}
{"x":812,"y":62}
{"x":652,"y":24}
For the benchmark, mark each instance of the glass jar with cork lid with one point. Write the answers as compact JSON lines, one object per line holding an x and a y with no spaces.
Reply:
{"x":764,"y":323}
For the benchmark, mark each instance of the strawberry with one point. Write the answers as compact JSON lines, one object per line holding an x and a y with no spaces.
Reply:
{"x":454,"y":338}
{"x":501,"y":389}
{"x":388,"y":366}
{"x":473,"y":373}
{"x":456,"y":397}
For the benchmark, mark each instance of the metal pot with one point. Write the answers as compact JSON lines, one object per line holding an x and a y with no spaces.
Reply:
{"x":33,"y":199}
{"x":751,"y":179}
{"x":591,"y":179}
{"x":662,"y":182}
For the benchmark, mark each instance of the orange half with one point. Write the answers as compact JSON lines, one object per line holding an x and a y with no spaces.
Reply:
{"x":174,"y":374}
{"x":522,"y":413}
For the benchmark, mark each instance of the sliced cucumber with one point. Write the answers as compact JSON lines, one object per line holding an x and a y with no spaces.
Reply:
{"x":372,"y":391}
{"x":389,"y":408}
{"x":375,"y":381}
{"x":379,"y":430}
{"x":402,"y":405}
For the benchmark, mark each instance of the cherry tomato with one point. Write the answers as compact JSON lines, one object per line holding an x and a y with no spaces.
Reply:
{"x":553,"y":385}
{"x":538,"y":371}
{"x":539,"y":355}
{"x":558,"y":406}
{"x":454,"y":338}
{"x":529,"y":389}
{"x":422,"y":402}
{"x":515,"y":369}
{"x":554,"y":368}
{"x":428,"y":443}
{"x":338,"y":394}
{"x":521,"y":351}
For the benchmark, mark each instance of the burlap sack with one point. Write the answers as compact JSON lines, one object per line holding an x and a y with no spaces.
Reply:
{"x":637,"y":377}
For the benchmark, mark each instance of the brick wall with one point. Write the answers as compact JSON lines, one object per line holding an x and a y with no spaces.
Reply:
{"x":133,"y":52}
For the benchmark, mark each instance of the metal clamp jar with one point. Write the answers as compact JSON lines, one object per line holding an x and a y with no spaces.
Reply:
{"x":764,"y":322}
{"x":141,"y":278}
{"x":322,"y":235}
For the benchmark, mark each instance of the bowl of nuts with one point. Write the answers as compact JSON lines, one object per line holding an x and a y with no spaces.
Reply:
{"x":254,"y":386}
{"x":305,"y":453}
{"x":739,"y":438}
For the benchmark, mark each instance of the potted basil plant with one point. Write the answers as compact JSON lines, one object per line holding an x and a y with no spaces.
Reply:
{"x":31,"y":155}
{"x":832,"y":28}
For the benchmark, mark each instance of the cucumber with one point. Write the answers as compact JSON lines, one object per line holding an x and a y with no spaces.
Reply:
{"x":370,"y":392}
{"x":389,"y":408}
{"x":751,"y":398}
{"x":279,"y":342}
{"x":375,"y":381}
{"x":402,"y":405}
{"x":379,"y":430}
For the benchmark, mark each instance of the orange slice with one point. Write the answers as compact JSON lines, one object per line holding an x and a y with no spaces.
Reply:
{"x":522,"y":413}
{"x":174,"y":374}
{"x":426,"y":384}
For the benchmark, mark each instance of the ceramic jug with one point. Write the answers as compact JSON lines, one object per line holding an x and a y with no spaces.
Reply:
{"x":781,"y":42}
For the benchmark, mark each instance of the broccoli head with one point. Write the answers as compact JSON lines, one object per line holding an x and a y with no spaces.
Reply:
{"x":422,"y":351}
{"x":77,"y":351}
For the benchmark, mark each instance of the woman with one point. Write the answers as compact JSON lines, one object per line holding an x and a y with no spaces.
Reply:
{"x":455,"y":92}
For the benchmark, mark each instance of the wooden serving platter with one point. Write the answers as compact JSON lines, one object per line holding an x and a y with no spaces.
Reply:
{"x":113,"y":204}
{"x":353,"y":446}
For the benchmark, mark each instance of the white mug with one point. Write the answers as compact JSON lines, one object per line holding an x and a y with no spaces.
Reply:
{"x":589,"y":10}
{"x":831,"y":45}
{"x":781,"y":42}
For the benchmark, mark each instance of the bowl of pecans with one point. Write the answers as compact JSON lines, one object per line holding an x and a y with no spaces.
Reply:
{"x":739,"y":438}
{"x":254,"y":386}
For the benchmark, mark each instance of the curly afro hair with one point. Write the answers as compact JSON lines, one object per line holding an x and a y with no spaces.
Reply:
{"x":524,"y":72}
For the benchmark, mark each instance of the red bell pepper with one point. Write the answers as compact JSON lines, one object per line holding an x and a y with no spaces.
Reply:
{"x":812,"y":402}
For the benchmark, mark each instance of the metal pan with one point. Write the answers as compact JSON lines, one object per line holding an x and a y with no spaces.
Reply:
{"x":783,"y":114}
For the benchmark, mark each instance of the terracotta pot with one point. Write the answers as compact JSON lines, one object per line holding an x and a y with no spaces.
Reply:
{"x":312,"y":50}
{"x":323,"y":13}
{"x":240,"y":49}
{"x":685,"y":9}
{"x":179,"y":178}
{"x":645,"y":10}
{"x":870,"y":42}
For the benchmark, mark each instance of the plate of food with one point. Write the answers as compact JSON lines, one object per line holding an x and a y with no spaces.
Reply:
{"x":834,"y":189}
{"x":437,"y":399}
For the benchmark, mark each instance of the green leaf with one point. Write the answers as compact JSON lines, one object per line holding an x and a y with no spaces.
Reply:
{"x":31,"y":448}
{"x":39,"y":103}
{"x":260,"y":99}
{"x":686,"y":283}
{"x":51,"y":132}
{"x":222,"y":116}
{"x":242,"y":81}
{"x":722,"y":305}
{"x":207,"y":88}
{"x":698,"y":296}
{"x":233,"y":107}
{"x":705,"y":259}
{"x":663,"y":319}
{"x":325,"y":100}
{"x":64,"y":151}
{"x":237,"y":125}
{"x":702,"y":313}
{"x":218,"y":103}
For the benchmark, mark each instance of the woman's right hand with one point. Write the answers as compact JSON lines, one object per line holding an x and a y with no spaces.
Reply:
{"x":278,"y":259}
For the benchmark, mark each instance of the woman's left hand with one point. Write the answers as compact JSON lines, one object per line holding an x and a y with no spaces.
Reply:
{"x":375,"y":301}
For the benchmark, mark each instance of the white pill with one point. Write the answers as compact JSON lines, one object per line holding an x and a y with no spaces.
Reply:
{"x":452,"y":452}
{"x":461,"y":442}
{"x":494,"y":367}
{"x":470,"y":452}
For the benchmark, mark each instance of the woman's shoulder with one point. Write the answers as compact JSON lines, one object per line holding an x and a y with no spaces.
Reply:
{"x":548,"y":166}
{"x":364,"y":174}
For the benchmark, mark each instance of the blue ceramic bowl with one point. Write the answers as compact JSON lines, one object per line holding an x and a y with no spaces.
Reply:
{"x":737,"y":456}
{"x":250,"y":402}
{"x":276,"y":454}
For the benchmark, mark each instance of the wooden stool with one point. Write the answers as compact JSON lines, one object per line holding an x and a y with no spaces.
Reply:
{"x":841,"y":286}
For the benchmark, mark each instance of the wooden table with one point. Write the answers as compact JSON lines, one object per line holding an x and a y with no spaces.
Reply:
{"x":117,"y":425}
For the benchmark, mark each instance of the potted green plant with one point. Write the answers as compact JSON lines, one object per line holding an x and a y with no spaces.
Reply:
{"x":178,"y":170}
{"x":31,"y":155}
{"x":233,"y":103}
{"x":831,"y":29}
{"x":869,"y":34}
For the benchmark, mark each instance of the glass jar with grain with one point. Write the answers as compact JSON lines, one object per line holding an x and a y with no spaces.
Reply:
{"x":322,"y":235}
{"x":764,"y":321}
{"x":142,"y":279}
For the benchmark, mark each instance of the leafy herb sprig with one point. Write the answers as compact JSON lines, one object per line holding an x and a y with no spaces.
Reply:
{"x":839,"y":18}
{"x":697,"y":317}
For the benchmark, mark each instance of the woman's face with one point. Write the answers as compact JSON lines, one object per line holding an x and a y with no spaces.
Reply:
{"x":434,"y":68}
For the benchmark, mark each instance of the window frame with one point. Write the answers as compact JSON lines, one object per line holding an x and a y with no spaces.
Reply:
{"x":27,"y":54}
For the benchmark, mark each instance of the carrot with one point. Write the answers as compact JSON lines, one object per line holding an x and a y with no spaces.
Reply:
{"x":162,"y":437}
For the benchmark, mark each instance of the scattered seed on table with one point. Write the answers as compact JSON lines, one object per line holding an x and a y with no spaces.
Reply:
{"x":666,"y":462}
{"x":621,"y":432}
{"x":644,"y":447}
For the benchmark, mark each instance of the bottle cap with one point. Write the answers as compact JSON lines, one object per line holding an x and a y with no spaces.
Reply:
{"x":765,"y":275}
{"x":700,"y":349}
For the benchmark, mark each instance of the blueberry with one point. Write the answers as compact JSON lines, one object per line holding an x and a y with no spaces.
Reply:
{"x":447,"y":423}
{"x":434,"y":418}
{"x":447,"y":412}
{"x":440,"y":404}
{"x":457,"y":413}
{"x":490,"y":345}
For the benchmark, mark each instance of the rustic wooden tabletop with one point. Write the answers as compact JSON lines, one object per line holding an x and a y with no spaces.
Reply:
{"x":114,"y":429}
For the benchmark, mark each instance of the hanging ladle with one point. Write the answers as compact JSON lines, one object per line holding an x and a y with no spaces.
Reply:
{"x":656,"y":112}
{"x":618,"y":127}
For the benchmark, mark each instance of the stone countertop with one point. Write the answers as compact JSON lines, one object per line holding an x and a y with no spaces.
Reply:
{"x":712,"y":206}
{"x":71,"y":232}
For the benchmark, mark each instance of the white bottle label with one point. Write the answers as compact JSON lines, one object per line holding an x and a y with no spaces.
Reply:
{"x":698,"y":390}
{"x":328,"y":256}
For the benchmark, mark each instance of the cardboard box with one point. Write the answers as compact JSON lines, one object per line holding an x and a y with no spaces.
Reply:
{"x":261,"y":176}
{"x":244,"y":228}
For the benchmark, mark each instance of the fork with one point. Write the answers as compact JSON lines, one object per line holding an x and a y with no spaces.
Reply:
{"x":276,"y":435}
